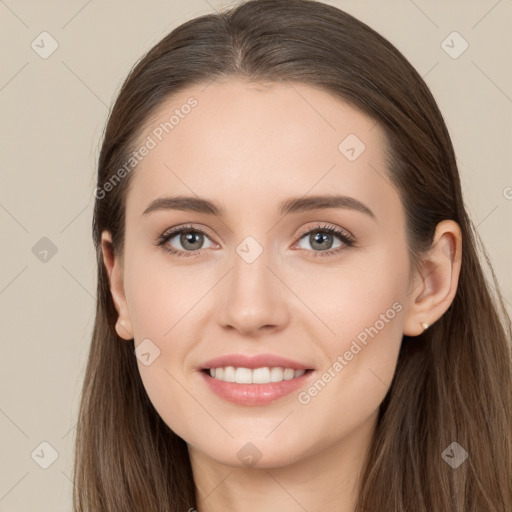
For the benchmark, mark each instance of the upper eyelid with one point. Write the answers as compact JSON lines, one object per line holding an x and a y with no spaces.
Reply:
{"x":324,"y":226}
{"x":172,"y":232}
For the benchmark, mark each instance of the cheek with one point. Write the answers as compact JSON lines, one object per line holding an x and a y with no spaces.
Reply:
{"x":159,"y":296}
{"x":365,"y":291}
{"x":158,"y":301}
{"x":369,"y":307}
{"x":366,"y":323}
{"x":359,"y":368}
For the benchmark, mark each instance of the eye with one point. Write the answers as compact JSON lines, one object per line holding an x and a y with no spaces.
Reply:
{"x":321,"y":237}
{"x":190,"y":238}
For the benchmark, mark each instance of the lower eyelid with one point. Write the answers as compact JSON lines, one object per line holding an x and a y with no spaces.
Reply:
{"x":165,"y":238}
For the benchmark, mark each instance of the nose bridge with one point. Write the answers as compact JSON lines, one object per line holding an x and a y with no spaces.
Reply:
{"x":250,"y":270}
{"x":254,"y":297}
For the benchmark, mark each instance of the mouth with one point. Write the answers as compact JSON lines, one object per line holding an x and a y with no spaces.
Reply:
{"x":254,"y":380}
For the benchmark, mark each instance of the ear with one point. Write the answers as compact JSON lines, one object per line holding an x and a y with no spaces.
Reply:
{"x":115,"y":273}
{"x":436,"y":283}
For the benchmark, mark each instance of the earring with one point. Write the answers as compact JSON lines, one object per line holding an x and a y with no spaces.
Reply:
{"x":424,"y":325}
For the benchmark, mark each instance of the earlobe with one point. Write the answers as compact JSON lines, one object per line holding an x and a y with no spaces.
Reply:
{"x":436,"y":283}
{"x":114,"y":269}
{"x":122,"y":331}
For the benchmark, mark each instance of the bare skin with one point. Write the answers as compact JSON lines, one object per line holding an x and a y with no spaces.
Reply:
{"x":249,"y":147}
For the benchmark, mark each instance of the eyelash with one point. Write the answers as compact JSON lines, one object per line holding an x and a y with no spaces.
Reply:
{"x":347,"y":239}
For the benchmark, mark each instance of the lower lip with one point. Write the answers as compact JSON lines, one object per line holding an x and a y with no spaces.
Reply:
{"x":254,"y":394}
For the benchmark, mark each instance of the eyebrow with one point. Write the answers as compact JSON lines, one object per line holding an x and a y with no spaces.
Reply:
{"x":293,"y":205}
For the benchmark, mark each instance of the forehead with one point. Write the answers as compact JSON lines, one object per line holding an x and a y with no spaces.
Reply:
{"x":238,"y":140}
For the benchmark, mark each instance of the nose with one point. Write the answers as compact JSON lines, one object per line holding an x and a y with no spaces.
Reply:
{"x":254,"y":299}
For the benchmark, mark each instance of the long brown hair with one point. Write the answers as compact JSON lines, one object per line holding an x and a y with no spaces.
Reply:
{"x":453,"y":383}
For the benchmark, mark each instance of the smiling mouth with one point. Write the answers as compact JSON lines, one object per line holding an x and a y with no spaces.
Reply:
{"x":263,"y":375}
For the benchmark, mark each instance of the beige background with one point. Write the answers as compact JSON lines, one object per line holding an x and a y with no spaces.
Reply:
{"x":52,"y":115}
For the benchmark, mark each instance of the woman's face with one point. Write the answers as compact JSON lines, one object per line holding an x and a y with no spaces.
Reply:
{"x":264,"y":277}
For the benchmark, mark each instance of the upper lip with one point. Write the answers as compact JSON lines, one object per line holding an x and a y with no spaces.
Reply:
{"x":253,"y":361}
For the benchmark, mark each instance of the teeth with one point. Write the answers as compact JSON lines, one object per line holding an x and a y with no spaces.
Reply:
{"x":276,"y":374}
{"x":260,"y":376}
{"x":243,"y":376}
{"x":229,"y":374}
{"x":257,"y":376}
{"x":289,"y":374}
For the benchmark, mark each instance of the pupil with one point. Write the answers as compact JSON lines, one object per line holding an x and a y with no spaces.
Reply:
{"x":319,"y":239}
{"x":190,"y":238}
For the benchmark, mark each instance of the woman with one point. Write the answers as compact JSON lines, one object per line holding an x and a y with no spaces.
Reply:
{"x":291,"y":311}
